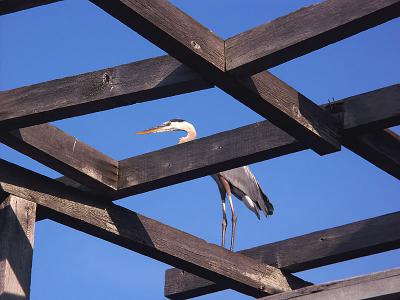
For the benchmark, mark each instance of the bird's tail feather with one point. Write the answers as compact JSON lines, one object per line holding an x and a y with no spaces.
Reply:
{"x":268,"y":205}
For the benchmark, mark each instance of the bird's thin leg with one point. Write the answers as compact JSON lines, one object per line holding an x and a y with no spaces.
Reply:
{"x":224,"y":221}
{"x":234,"y":219}
{"x":227,"y":188}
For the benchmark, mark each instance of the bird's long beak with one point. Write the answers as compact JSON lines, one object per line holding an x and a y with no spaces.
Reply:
{"x":159,"y":128}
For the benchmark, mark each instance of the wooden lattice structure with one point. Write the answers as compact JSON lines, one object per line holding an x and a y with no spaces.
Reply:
{"x":200,"y":60}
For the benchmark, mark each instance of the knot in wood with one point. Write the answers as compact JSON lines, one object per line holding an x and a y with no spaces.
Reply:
{"x":106,"y":78}
{"x":195,"y":45}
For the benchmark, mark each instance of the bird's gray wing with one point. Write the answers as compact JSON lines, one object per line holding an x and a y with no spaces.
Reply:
{"x":243,"y":180}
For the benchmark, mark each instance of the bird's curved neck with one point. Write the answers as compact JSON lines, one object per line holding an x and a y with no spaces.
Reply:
{"x":191,"y":133}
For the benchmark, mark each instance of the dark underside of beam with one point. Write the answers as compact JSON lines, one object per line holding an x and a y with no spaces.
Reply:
{"x":380,"y":147}
{"x":305,"y":252}
{"x":10,"y":6}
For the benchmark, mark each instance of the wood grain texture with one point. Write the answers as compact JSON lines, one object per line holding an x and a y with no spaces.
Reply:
{"x":205,"y":156}
{"x":381,"y":285}
{"x":143,"y":235}
{"x":304,"y":31}
{"x":304,"y":252}
{"x":11,"y":6}
{"x":65,"y":154}
{"x":289,"y":110}
{"x":96,"y":91}
{"x":17,"y":226}
{"x":173,"y":31}
{"x":378,"y":109}
{"x":170,"y":29}
{"x":380,"y":147}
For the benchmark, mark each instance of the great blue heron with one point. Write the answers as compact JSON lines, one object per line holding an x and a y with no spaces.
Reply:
{"x":239,"y":181}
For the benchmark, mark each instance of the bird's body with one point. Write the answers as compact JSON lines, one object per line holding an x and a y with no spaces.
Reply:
{"x":246,"y":188}
{"x":239,"y":181}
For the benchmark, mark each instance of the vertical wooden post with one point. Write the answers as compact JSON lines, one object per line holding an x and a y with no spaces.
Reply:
{"x":17,"y":224}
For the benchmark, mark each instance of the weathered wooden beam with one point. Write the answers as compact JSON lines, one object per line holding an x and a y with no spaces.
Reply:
{"x":171,"y":29}
{"x":381,"y":285}
{"x":143,"y":235}
{"x":10,"y":6}
{"x":17,"y":226}
{"x":304,"y":31}
{"x":65,"y":154}
{"x":177,"y":33}
{"x":380,"y":147}
{"x":222,"y":151}
{"x":96,"y":91}
{"x":378,"y":109}
{"x":304,"y":252}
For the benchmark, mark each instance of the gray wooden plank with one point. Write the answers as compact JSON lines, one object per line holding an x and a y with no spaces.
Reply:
{"x":380,"y":285}
{"x":304,"y":31}
{"x":17,"y":226}
{"x":304,"y":252}
{"x":11,"y":6}
{"x":144,"y":235}
{"x":96,"y":91}
{"x":65,"y":154}
{"x":178,"y":34}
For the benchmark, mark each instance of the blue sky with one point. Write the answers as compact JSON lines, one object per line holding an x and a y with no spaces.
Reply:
{"x":309,"y":192}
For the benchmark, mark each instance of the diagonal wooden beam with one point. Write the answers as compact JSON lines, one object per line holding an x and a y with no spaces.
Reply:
{"x":380,"y":147}
{"x":96,"y":91}
{"x":143,"y":235}
{"x":177,"y":33}
{"x":65,"y":154}
{"x":304,"y":252}
{"x":304,"y":31}
{"x":10,"y":6}
{"x":380,"y":285}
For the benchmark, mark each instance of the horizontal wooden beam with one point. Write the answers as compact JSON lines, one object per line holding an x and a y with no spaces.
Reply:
{"x":380,"y":147}
{"x":304,"y":31}
{"x":65,"y":154}
{"x":381,"y":285}
{"x":304,"y":252}
{"x":177,"y":33}
{"x":11,"y":6}
{"x":205,"y":156}
{"x":143,"y":235}
{"x":378,"y":109}
{"x":96,"y":91}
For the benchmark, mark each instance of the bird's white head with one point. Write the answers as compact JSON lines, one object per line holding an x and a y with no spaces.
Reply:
{"x":174,"y":125}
